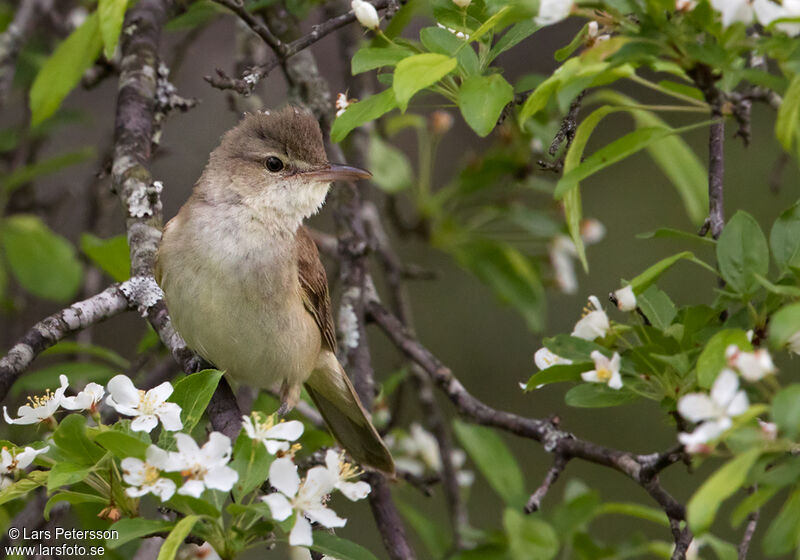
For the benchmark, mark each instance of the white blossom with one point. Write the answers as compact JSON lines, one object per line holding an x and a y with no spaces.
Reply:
{"x":366,"y":14}
{"x":306,"y":498}
{"x":605,"y":370}
{"x":733,"y":11}
{"x":562,"y":252}
{"x":753,"y":366}
{"x":343,"y":472}
{"x":419,"y":451}
{"x":626,"y":299}
{"x":88,"y":399}
{"x":592,"y":231}
{"x":203,"y":467}
{"x":594,"y":323}
{"x":544,"y":358}
{"x":275,"y":437}
{"x":148,"y":407}
{"x":767,"y":12}
{"x":12,"y":462}
{"x":462,"y":3}
{"x":342,"y":103}
{"x":553,"y":11}
{"x":685,"y":5}
{"x":769,"y":430}
{"x":145,"y":476}
{"x":714,"y":410}
{"x":39,"y":409}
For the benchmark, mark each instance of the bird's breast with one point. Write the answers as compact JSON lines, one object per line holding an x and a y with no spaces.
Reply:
{"x":233,"y":293}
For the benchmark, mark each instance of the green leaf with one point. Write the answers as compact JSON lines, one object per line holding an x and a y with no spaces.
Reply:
{"x":784,"y":239}
{"x":786,"y":124}
{"x":572,"y":347}
{"x":111,"y":13}
{"x":33,"y":480}
{"x":529,"y":536}
{"x":252,"y":462}
{"x":616,"y":151}
{"x":786,"y":412}
{"x":647,"y":513}
{"x":492,"y":457}
{"x":516,"y":34}
{"x":670,"y":233}
{"x":418,"y":72}
{"x":783,"y":535}
{"x":784,"y":324}
{"x":72,"y":498}
{"x":717,"y":488}
{"x":371,"y":58}
{"x":340,"y":548}
{"x":43,"y":262}
{"x":597,"y":395}
{"x":72,"y":441}
{"x":657,"y":307}
{"x":653,"y":272}
{"x":63,"y":474}
{"x":122,"y":445}
{"x":112,"y":256}
{"x":193,"y":393}
{"x":482,"y":100}
{"x":564,"y":53}
{"x":510,"y":275}
{"x":362,"y":112}
{"x":557,"y":374}
{"x":390,"y":167}
{"x":442,"y":41}
{"x":28,"y":173}
{"x":175,"y":538}
{"x":742,"y":253}
{"x":712,"y":359}
{"x":63,"y":70}
{"x":136,"y":528}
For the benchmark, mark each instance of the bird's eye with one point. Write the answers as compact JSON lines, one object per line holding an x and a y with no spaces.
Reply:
{"x":273,"y":164}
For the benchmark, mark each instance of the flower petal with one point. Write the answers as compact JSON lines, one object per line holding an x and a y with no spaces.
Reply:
{"x":144,"y":423}
{"x":221,"y":478}
{"x":279,"y":506}
{"x":164,"y":488}
{"x":697,"y":406}
{"x":170,"y":416}
{"x":273,"y":446}
{"x":132,"y":471}
{"x":218,"y":449}
{"x":616,"y":380}
{"x":354,"y":491}
{"x":301,"y":532}
{"x":192,"y":488}
{"x":288,"y":431}
{"x":123,"y":391}
{"x":739,"y":404}
{"x":325,"y":517}
{"x":591,"y":376}
{"x":283,"y":476}
{"x":160,"y":393}
{"x":724,"y":388}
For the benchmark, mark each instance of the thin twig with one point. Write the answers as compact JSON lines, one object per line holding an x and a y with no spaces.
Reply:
{"x":535,"y":501}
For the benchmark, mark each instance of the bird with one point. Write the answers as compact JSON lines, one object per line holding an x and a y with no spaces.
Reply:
{"x":242,"y":278}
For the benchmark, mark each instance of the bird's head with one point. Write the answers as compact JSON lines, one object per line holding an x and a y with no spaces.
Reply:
{"x":275,"y":163}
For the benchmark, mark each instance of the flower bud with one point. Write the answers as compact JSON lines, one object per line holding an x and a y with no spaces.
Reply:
{"x":626,"y":299}
{"x":462,"y":3}
{"x":441,"y":122}
{"x":366,"y":14}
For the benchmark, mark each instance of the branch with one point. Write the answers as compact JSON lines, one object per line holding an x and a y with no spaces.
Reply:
{"x":535,"y":501}
{"x":749,"y":531}
{"x":256,"y":24}
{"x":248,"y":81}
{"x":641,"y":469}
{"x":44,"y":334}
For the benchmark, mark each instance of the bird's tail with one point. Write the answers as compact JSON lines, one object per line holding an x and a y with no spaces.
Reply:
{"x":342,"y":410}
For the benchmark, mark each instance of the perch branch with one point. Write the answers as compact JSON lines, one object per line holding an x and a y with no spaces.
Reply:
{"x":535,"y":501}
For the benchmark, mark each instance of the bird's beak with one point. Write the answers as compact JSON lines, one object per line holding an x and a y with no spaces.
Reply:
{"x":337,"y":172}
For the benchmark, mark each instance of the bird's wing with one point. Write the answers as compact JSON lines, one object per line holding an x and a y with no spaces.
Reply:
{"x":314,"y":286}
